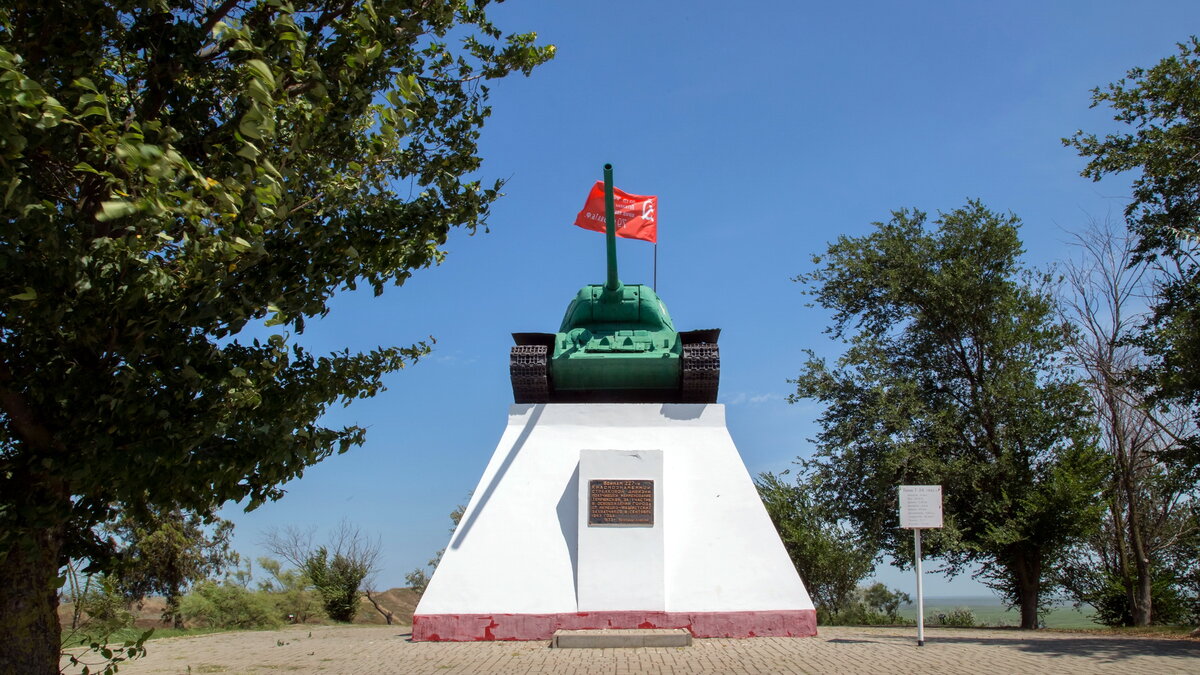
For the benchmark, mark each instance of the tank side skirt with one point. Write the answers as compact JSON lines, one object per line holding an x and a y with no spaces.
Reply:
{"x":701,"y":373}
{"x":528,"y":368}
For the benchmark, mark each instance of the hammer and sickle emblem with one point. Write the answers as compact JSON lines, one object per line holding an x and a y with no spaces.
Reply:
{"x":648,"y":210}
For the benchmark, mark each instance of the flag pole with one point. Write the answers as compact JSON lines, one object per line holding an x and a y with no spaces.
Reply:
{"x":656,"y":264}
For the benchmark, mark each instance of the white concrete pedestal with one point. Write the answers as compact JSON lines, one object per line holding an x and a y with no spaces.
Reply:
{"x":524,"y":563}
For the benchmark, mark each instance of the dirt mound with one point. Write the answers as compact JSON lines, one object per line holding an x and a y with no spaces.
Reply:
{"x":400,"y":601}
{"x":148,"y":615}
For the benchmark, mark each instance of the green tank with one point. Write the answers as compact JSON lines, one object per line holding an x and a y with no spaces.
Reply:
{"x":616,"y":344}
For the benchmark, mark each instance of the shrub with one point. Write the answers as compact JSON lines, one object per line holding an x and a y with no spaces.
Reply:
{"x":289,"y":592}
{"x":870,"y":606}
{"x":107,"y":611}
{"x":1168,"y":602}
{"x":337,"y":579}
{"x":228,"y":605}
{"x":961,"y":617}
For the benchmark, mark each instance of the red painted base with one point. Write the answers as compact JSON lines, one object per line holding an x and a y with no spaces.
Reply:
{"x":474,"y":627}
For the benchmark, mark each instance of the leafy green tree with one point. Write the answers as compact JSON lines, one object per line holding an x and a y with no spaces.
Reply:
{"x":339,"y":571}
{"x":952,"y":376}
{"x":168,"y":551}
{"x":831,"y":559}
{"x":873,"y":605}
{"x":172,"y":172}
{"x":337,"y":579}
{"x":1161,"y":106}
{"x":887,"y":601}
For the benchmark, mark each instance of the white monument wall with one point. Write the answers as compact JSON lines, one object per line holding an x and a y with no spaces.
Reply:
{"x":523,"y":562}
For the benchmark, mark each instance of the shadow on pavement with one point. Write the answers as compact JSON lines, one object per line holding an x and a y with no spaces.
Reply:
{"x":1107,"y":649}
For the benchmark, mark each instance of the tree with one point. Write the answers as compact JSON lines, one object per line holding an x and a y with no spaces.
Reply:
{"x":1162,"y":106}
{"x":337,"y":570}
{"x":173,"y":172}
{"x":167,"y":552}
{"x":885,"y":601}
{"x":830,"y":559}
{"x":951,"y":376}
{"x":1148,"y":499}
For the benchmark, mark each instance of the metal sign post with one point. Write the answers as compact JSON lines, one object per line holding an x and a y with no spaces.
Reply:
{"x":920,"y":508}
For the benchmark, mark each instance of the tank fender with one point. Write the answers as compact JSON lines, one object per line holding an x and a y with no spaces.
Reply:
{"x":704,"y":335}
{"x":543,"y":339}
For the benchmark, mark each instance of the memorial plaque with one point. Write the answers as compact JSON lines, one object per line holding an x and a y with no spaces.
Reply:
{"x":621,"y":502}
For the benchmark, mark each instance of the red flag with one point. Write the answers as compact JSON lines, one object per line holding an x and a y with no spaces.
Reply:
{"x":636,"y":215}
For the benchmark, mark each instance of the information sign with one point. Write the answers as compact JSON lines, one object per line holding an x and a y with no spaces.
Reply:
{"x":920,"y":506}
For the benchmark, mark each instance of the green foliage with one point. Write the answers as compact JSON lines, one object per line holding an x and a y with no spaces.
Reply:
{"x":418,"y":579}
{"x":228,"y":605}
{"x":880,"y":599}
{"x":1161,"y":108}
{"x":101,"y":658}
{"x":289,"y":590}
{"x":338,"y":579}
{"x":104,"y":608}
{"x":959,"y":617}
{"x":175,"y":171}
{"x":831,"y":559}
{"x":952,"y":376}
{"x":875,"y":605}
{"x":1111,"y":600}
{"x":167,"y":550}
{"x":338,"y":571}
{"x":1174,"y":592}
{"x":101,"y":614}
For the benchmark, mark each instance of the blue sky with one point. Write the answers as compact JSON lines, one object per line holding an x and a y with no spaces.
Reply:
{"x":766,"y":130}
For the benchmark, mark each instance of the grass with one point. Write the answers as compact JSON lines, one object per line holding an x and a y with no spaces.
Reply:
{"x":991,"y":612}
{"x":132,"y":634}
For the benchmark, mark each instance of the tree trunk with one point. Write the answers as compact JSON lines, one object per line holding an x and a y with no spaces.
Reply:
{"x":387,"y":613}
{"x":29,"y":628}
{"x":173,"y":610}
{"x":1027,"y":573}
{"x":1140,"y":596}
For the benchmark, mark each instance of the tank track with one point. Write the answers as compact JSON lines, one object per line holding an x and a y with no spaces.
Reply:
{"x":528,"y":368}
{"x":701,"y":373}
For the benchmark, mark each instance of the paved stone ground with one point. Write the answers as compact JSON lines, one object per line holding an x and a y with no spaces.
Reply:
{"x":355,"y":650}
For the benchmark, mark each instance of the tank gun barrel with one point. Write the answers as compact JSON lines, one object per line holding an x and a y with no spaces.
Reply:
{"x":610,"y":231}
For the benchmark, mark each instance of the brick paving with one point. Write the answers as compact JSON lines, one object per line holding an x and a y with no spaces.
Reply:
{"x":370,"y":650}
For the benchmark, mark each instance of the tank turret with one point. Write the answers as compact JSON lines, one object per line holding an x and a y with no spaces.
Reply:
{"x":616,"y":344}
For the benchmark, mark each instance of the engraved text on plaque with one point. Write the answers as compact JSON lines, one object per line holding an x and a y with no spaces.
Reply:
{"x":621,"y":502}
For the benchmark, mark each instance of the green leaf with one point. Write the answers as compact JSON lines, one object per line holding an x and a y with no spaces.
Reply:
{"x":12,"y":187}
{"x":249,"y":151}
{"x":113,"y":210}
{"x":249,"y":127}
{"x":262,"y":72}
